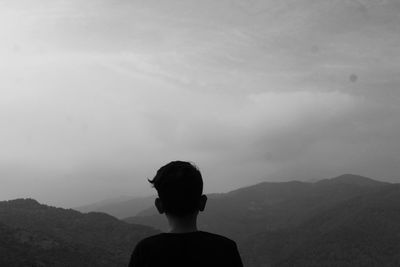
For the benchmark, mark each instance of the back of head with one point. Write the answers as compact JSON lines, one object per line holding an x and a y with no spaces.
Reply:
{"x":179,"y":185}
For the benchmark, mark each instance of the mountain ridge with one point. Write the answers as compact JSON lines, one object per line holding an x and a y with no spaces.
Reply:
{"x":292,"y":224}
{"x":141,"y":205}
{"x":353,"y":179}
{"x":54,"y":236}
{"x":362,"y":231}
{"x":267,"y":205}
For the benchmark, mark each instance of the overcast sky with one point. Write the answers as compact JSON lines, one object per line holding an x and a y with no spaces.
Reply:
{"x":96,"y":95}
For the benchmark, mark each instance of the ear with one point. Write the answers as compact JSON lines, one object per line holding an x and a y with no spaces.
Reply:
{"x":159,"y":205}
{"x":202,"y":202}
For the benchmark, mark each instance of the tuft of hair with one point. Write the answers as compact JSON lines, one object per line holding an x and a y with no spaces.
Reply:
{"x":179,"y":186}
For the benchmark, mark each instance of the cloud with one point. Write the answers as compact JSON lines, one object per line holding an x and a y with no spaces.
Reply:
{"x":95,"y":96}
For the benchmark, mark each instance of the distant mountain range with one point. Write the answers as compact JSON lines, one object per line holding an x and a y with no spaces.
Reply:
{"x":33,"y":234}
{"x":269,"y":205}
{"x":362,"y":231}
{"x":349,"y":220}
{"x":120,"y":208}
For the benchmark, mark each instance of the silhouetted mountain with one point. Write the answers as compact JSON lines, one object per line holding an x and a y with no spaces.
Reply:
{"x":119,"y":208}
{"x":12,"y":250}
{"x":363,"y":231}
{"x":348,"y":220}
{"x":270,"y":206}
{"x":21,"y":248}
{"x":47,"y":236}
{"x":351,"y":179}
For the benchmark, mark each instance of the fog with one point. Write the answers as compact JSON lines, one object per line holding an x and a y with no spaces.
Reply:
{"x":96,"y":96}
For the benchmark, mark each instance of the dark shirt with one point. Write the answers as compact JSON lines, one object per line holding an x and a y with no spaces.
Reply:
{"x":186,"y":249}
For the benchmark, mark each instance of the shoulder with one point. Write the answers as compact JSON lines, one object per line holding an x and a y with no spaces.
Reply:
{"x":200,"y":237}
{"x":218,"y":240}
{"x":148,"y":241}
{"x":217,"y":237}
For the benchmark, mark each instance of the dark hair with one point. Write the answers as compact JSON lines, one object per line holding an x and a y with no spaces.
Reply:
{"x":179,"y":186}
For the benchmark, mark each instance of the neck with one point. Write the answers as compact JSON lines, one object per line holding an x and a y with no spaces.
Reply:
{"x":185,"y":224}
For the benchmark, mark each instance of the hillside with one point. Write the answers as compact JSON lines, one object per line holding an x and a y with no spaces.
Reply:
{"x":348,"y":220}
{"x":270,"y":206}
{"x":21,"y":248}
{"x":119,"y":209}
{"x":12,"y":249}
{"x":363,"y":231}
{"x":50,"y":236}
{"x":344,"y":221}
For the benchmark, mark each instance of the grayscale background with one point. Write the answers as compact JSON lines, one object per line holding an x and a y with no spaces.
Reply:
{"x":96,"y":95}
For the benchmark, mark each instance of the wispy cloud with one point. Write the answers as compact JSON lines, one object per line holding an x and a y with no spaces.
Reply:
{"x":95,"y":96}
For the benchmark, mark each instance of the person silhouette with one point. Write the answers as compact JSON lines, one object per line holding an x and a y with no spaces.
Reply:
{"x":179,"y":185}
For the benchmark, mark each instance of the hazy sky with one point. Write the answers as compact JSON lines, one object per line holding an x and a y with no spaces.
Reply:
{"x":96,"y":95}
